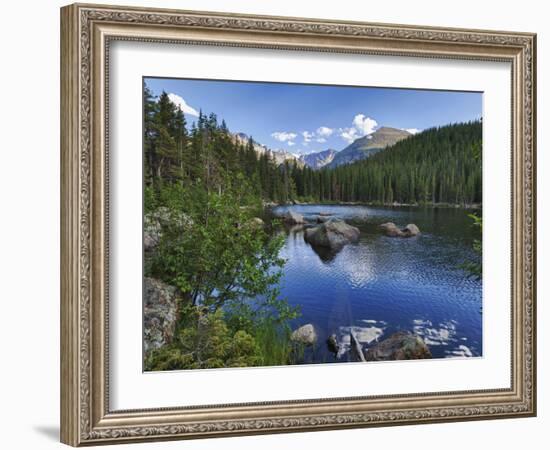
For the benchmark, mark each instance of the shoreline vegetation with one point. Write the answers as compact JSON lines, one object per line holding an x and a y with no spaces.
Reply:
{"x":212,"y":266}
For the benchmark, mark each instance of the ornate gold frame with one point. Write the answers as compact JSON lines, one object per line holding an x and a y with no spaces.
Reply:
{"x":86,"y":31}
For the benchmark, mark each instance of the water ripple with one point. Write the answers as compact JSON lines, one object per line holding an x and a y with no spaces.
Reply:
{"x":412,"y":284}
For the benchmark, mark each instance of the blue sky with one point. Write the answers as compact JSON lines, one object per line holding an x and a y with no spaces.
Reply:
{"x":310,"y":118}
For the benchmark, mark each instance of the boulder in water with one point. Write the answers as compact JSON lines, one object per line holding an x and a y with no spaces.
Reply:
{"x":333,"y":234}
{"x":400,"y":345}
{"x":392,"y":230}
{"x":306,"y":334}
{"x":410,"y":230}
{"x":293,"y":218}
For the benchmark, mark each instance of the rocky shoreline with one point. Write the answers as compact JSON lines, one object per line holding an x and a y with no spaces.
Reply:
{"x":160,"y":314}
{"x":475,"y":206}
{"x":401,"y":345}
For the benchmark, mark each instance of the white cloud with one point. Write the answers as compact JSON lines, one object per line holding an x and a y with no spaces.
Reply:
{"x":290,"y":143}
{"x":364,"y":125}
{"x":412,"y":130}
{"x":324,"y":132}
{"x":361,"y":126}
{"x":319,"y":135}
{"x":348,"y":134}
{"x":182,"y":104}
{"x":307,"y":136}
{"x":283,"y":136}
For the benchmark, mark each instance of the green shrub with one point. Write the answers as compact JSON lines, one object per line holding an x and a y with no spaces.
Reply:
{"x":475,"y":268}
{"x":204,"y":343}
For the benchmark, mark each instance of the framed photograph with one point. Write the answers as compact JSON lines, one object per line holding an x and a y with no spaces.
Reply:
{"x":281,"y":224}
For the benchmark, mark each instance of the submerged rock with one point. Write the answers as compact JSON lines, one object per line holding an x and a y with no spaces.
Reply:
{"x":306,"y":334}
{"x":332,"y":344}
{"x":400,"y":345}
{"x":332,"y":234}
{"x":293,"y":218}
{"x":326,"y":254}
{"x":392,"y":230}
{"x":159,"y":313}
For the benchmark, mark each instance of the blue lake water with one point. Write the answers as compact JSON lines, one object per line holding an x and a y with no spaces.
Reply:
{"x":381,"y":284}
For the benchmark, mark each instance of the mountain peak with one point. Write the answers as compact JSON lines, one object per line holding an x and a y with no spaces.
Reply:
{"x":386,"y":129}
{"x":279,"y":156}
{"x":241,"y":135}
{"x":369,"y":145}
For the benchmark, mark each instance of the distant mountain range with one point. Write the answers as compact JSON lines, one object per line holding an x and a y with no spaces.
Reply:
{"x":361,"y":148}
{"x":279,"y":155}
{"x":319,"y":159}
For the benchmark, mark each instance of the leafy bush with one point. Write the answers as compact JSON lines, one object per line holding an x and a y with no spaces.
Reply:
{"x":211,"y":251}
{"x":204,"y":343}
{"x":227,"y":267}
{"x":475,"y":268}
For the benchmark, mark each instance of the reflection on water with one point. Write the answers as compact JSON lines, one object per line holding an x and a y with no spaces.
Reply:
{"x":381,"y":285}
{"x":444,"y":334}
{"x":365,"y":335}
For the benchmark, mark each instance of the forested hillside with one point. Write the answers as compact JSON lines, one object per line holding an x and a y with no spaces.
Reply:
{"x":366,"y":146}
{"x":207,"y":154}
{"x":435,"y":166}
{"x":439,"y":165}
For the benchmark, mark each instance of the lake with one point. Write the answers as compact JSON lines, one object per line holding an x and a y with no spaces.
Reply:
{"x":381,"y":284}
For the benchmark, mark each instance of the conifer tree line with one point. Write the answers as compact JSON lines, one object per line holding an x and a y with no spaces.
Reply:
{"x":434,"y":166}
{"x":438,"y":165}
{"x":205,"y":154}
